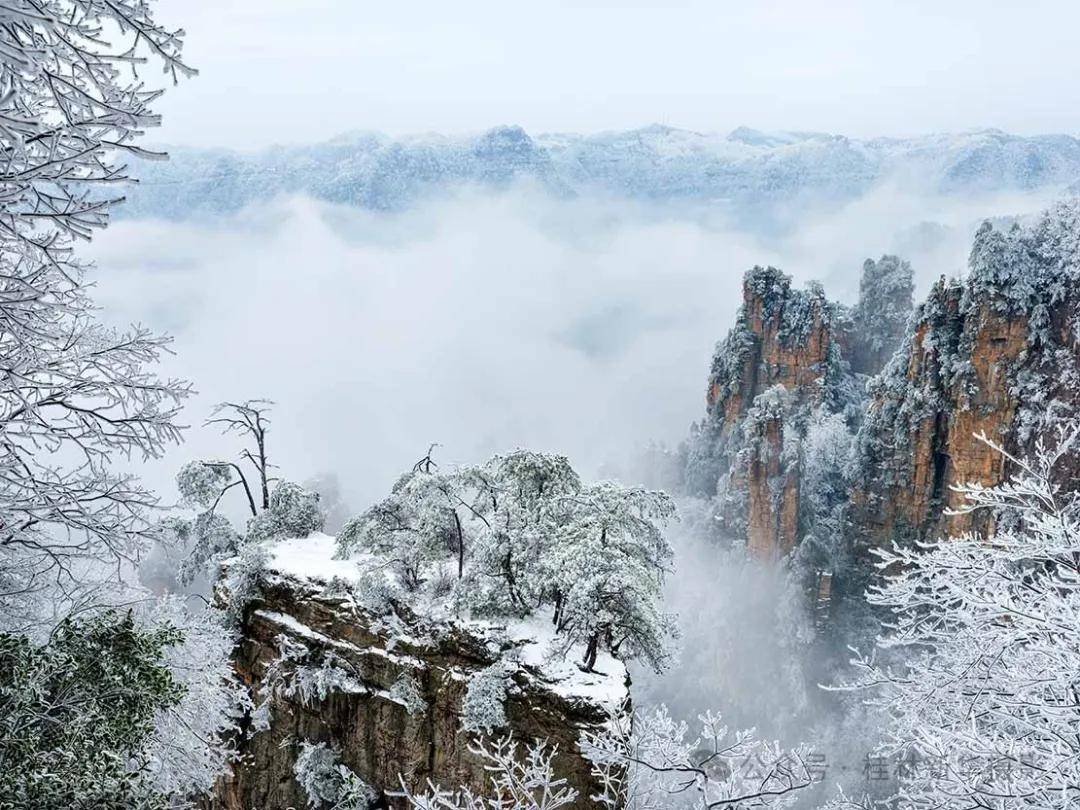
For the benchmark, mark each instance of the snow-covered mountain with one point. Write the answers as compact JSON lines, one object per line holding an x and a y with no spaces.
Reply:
{"x":654,"y":163}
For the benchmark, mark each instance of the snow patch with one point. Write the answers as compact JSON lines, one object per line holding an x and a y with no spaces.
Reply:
{"x":536,"y":647}
{"x":311,"y":557}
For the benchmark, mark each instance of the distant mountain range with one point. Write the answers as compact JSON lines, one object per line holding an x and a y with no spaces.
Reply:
{"x":744,"y":167}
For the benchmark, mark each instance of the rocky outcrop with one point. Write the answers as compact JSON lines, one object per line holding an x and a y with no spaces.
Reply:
{"x":305,"y":602}
{"x":783,"y":360}
{"x":783,"y":336}
{"x":771,"y":480}
{"x":994,"y":354}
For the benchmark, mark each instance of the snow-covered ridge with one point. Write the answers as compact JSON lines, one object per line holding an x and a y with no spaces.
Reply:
{"x":653,"y":163}
{"x":310,"y":562}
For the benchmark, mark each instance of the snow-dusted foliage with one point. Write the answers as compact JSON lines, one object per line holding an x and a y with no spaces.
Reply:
{"x":419,"y":524}
{"x":316,"y":681}
{"x":526,"y":499}
{"x":406,"y":691}
{"x":74,"y":394}
{"x":208,"y":537}
{"x":77,"y":716}
{"x":983,"y":698}
{"x":277,"y":509}
{"x":483,"y":709}
{"x":293,"y":512}
{"x":188,"y":748}
{"x":518,"y":782}
{"x":881,"y":316}
{"x":607,"y":574}
{"x":519,"y":534}
{"x":242,"y":580}
{"x":316,"y":771}
{"x":201,"y":484}
{"x":826,"y":454}
{"x":276,"y":678}
{"x":648,"y":761}
{"x":303,"y":675}
{"x":327,"y":782}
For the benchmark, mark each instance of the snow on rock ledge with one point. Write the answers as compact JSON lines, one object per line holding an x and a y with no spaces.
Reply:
{"x":305,"y":599}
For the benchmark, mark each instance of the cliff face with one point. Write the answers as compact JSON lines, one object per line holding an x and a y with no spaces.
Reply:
{"x":783,"y":360}
{"x":772,"y":489}
{"x":382,"y":732}
{"x":995,"y":353}
{"x":783,"y":337}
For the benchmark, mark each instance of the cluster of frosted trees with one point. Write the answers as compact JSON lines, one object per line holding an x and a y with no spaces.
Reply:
{"x":275,"y":508}
{"x":522,"y":535}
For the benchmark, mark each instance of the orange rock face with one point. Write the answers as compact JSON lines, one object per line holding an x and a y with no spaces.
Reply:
{"x":995,"y":355}
{"x":784,"y":338}
{"x":960,"y":383}
{"x":773,"y":497}
{"x":775,"y":358}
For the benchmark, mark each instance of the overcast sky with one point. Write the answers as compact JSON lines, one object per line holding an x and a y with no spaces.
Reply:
{"x":277,"y":71}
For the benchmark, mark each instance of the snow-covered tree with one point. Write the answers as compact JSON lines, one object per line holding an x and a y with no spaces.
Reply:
{"x":276,"y":508}
{"x":420,"y":523}
{"x":77,"y":713}
{"x":407,"y":691}
{"x":606,"y":570}
{"x":521,"y":497}
{"x":523,"y":534}
{"x":74,"y":395}
{"x":825,"y":478}
{"x":978,"y":672}
{"x":519,"y":781}
{"x":484,"y":707}
{"x":880,"y":318}
{"x":328,"y":783}
{"x":648,"y":761}
{"x":188,"y":750}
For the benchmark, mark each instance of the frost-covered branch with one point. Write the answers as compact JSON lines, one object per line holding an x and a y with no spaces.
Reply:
{"x":987,"y":633}
{"x":75,"y":396}
{"x":517,"y":782}
{"x":648,"y":761}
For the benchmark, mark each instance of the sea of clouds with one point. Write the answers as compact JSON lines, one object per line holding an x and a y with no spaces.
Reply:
{"x":480,"y":322}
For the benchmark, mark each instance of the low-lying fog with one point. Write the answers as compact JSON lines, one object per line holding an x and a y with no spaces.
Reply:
{"x":479,"y":322}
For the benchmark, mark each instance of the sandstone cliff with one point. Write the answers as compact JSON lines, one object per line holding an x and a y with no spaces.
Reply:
{"x":783,"y":360}
{"x":995,"y":352}
{"x":358,"y":661}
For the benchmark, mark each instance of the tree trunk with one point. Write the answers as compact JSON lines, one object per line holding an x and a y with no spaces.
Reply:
{"x":460,"y":546}
{"x":591,"y":651}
